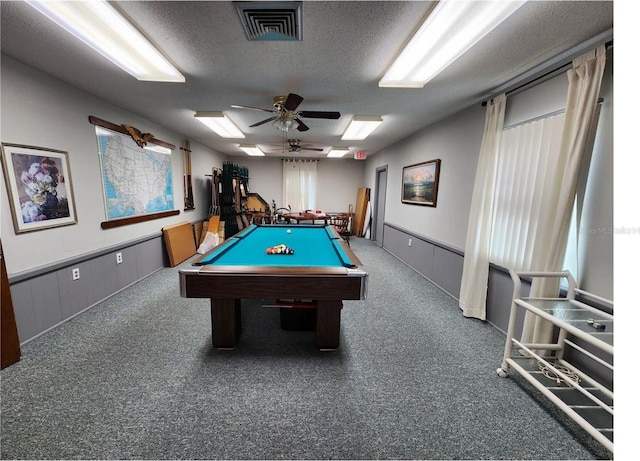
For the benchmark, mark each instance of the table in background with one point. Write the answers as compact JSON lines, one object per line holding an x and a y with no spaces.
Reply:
{"x":322,"y":268}
{"x":299,"y":217}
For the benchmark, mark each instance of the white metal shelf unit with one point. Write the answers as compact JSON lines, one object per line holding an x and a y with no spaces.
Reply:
{"x":585,"y":400}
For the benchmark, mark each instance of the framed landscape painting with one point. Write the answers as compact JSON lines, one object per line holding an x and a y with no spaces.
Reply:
{"x":39,"y":185}
{"x":420,"y":183}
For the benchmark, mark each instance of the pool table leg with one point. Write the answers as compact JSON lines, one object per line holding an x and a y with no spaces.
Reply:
{"x":225,"y":322}
{"x":328,"y":324}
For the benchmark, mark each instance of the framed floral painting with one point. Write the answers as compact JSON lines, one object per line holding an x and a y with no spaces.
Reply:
{"x":39,"y":184}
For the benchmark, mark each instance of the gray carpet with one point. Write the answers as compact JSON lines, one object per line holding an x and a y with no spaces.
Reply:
{"x":136,"y":377}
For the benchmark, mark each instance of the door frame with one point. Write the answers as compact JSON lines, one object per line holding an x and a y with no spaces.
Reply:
{"x":378,"y":216}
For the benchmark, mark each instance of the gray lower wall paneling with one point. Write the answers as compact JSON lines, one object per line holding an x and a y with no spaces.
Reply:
{"x":449,"y":272}
{"x":49,"y":296}
{"x":437,"y":262}
{"x":24,"y":311}
{"x":499,"y":295}
{"x":443,"y":266}
{"x":151,"y":255}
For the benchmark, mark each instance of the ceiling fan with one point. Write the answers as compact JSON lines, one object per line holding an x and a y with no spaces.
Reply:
{"x":294,"y":147}
{"x":285,"y":116}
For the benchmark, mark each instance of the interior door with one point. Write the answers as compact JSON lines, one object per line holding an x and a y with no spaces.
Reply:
{"x":379,"y":204}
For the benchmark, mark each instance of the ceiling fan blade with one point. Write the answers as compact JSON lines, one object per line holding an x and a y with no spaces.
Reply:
{"x":262,"y":122}
{"x":293,"y":101}
{"x":238,"y":106}
{"x":301,"y":126}
{"x":319,"y":114}
{"x":312,"y":148}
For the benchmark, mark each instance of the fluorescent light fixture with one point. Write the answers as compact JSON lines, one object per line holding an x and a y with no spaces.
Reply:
{"x":449,"y":31}
{"x":361,"y":126}
{"x":337,"y":152}
{"x":158,"y":149}
{"x":252,"y":150}
{"x":100,"y":26}
{"x":220,"y":123}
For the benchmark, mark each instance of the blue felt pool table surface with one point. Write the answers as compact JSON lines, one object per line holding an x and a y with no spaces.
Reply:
{"x":322,"y":269}
{"x":313,"y":245}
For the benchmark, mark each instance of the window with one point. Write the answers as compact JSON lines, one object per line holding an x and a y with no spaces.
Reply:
{"x":299,"y":184}
{"x":523,"y":192}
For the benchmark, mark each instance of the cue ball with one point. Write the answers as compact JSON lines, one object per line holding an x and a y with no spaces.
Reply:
{"x":288,"y":231}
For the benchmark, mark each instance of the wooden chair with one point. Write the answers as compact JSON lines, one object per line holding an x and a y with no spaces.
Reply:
{"x":341,"y":222}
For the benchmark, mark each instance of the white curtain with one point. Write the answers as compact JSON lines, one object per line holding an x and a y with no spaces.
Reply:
{"x":299,"y":184}
{"x":473,"y":289}
{"x":550,"y":244}
{"x":524,"y":193}
{"x":526,"y":165}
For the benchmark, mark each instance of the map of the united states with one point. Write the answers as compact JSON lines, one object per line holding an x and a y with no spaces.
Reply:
{"x":136,"y":181}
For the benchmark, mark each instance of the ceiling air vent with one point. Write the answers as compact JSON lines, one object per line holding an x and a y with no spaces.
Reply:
{"x":266,"y":21}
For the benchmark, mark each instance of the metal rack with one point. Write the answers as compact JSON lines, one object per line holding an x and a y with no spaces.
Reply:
{"x":581,"y":326}
{"x":235,"y":190}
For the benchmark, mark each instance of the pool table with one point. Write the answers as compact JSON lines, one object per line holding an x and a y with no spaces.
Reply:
{"x":322,"y":268}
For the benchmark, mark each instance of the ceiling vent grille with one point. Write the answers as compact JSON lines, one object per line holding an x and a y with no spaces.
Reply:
{"x":266,"y":21}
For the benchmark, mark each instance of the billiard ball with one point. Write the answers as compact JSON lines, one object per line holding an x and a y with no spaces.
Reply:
{"x":288,"y":231}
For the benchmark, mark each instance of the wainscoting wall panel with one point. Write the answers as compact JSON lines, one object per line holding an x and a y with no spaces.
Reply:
{"x":151,"y":255}
{"x":499,"y":295}
{"x":24,"y":310}
{"x":449,"y":272}
{"x":443,"y":265}
{"x":46,"y":302}
{"x":439,"y":263}
{"x":48,"y":296}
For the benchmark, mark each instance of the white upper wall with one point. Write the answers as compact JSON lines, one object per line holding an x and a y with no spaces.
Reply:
{"x":338,"y":181}
{"x":40,"y":111}
{"x":456,"y":142}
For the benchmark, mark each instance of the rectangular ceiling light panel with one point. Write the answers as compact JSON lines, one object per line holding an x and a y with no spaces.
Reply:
{"x":361,"y":126}
{"x":220,"y":123}
{"x":338,"y":152}
{"x":252,"y":150}
{"x":448,"y":32}
{"x":99,"y":25}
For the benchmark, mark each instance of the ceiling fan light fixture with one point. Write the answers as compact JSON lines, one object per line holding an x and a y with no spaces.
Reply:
{"x":220,"y":123}
{"x":361,"y":126}
{"x":252,"y":150}
{"x":449,"y":31}
{"x":285,"y":124}
{"x":104,"y":29}
{"x":337,"y":152}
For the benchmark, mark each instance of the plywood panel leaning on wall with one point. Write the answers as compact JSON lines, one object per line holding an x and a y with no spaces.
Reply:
{"x":180,"y":242}
{"x":362,"y":202}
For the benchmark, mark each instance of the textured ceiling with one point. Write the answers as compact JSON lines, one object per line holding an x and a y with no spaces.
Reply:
{"x":345,"y":49}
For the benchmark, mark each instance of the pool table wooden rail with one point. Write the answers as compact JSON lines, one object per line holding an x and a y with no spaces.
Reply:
{"x":270,"y":282}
